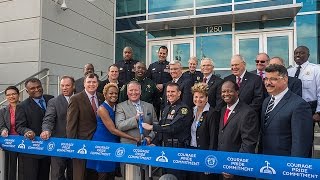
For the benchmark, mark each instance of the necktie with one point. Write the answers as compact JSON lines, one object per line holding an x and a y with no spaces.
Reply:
{"x":269,"y":108}
{"x":239,"y":81}
{"x":42,"y":104}
{"x":204,"y":80}
{"x":297,"y":72}
{"x":93,"y":104}
{"x":138,"y":107}
{"x":225,"y":117}
{"x":261,"y":74}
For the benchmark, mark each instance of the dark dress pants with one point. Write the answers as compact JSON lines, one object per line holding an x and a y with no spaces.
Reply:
{"x":58,"y":168}
{"x":10,"y":165}
{"x":32,"y":167}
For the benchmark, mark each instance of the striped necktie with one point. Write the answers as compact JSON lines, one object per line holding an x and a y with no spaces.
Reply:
{"x":269,"y":108}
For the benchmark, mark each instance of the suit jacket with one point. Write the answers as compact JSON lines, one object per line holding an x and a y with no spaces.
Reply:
{"x":207,"y":131}
{"x":295,"y":85}
{"x":289,"y":128}
{"x":126,"y":119}
{"x":240,"y":134}
{"x":55,"y":119}
{"x":5,"y":119}
{"x":214,"y":92}
{"x":81,"y":120}
{"x":185,"y":86}
{"x":251,"y":91}
{"x":79,"y":85}
{"x":29,"y":116}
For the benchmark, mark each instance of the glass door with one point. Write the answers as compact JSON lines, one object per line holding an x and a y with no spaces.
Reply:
{"x":277,"y":43}
{"x":178,"y":49}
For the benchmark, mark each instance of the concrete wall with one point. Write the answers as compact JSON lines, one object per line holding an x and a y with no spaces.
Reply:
{"x":19,"y":40}
{"x":79,"y":35}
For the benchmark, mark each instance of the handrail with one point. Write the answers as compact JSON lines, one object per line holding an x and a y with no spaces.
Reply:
{"x":22,"y":88}
{"x":18,"y":84}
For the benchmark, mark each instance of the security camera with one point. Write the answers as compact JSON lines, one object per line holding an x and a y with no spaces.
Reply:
{"x":64,"y":5}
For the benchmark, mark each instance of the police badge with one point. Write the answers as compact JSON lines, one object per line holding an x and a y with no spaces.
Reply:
{"x":184,"y":111}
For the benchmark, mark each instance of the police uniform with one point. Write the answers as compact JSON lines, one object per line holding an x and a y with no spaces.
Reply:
{"x":148,"y":89}
{"x":103,"y":83}
{"x":174,"y":126}
{"x":126,"y":69}
{"x":310,"y":77}
{"x":174,"y":131}
{"x":194,"y":77}
{"x":159,"y":73}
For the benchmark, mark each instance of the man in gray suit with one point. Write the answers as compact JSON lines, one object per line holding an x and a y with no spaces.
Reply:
{"x":127,"y":117}
{"x":54,"y":124}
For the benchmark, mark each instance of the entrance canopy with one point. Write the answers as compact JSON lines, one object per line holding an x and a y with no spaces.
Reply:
{"x":246,"y":15}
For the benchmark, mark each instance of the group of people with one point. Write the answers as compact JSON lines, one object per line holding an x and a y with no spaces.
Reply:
{"x":271,"y":110}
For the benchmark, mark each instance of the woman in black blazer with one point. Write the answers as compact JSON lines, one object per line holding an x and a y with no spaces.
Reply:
{"x":7,"y":127}
{"x":205,"y":126}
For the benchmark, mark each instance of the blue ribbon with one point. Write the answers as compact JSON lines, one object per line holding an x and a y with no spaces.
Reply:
{"x":242,"y":164}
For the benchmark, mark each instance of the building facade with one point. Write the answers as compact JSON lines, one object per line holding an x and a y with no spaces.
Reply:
{"x":217,"y":29}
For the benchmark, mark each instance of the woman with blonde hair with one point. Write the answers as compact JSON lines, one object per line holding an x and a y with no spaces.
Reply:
{"x":205,"y":126}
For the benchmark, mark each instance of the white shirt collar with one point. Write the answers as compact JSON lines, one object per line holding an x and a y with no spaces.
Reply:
{"x":233,"y":106}
{"x":304,"y":65}
{"x":242,"y":74}
{"x":279,"y":96}
{"x":206,"y":108}
{"x":90,"y":95}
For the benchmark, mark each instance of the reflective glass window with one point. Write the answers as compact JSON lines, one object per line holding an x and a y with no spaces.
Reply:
{"x":257,"y":4}
{"x":166,"y":5}
{"x":129,"y":23}
{"x":130,"y":7}
{"x":218,"y":47}
{"x":211,"y":2}
{"x":308,"y":34}
{"x":268,"y":24}
{"x":136,"y":40}
{"x":309,"y":5}
{"x":214,"y":9}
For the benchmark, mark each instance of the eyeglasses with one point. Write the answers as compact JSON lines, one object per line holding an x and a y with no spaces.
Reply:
{"x":260,"y":61}
{"x":12,"y":94}
{"x":272,"y":79}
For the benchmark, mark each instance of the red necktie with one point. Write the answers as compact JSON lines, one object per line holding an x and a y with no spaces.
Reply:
{"x":93,"y":104}
{"x":225,"y":117}
{"x":239,"y":81}
{"x":204,"y":80}
{"x":261,"y":74}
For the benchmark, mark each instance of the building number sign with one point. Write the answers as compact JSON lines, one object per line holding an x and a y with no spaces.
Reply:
{"x":214,"y":29}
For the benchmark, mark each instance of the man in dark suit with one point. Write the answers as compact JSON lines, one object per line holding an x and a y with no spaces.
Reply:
{"x":250,"y":85}
{"x":54,"y":124}
{"x":214,"y":83}
{"x":184,"y":84}
{"x":29,"y":117}
{"x":238,"y":129}
{"x":294,"y":84}
{"x":262,"y":61}
{"x":286,"y":119}
{"x":88,"y":68}
{"x":81,"y":120}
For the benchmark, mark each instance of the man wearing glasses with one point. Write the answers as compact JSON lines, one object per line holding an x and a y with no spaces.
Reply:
{"x":262,"y":61}
{"x":286,"y":122}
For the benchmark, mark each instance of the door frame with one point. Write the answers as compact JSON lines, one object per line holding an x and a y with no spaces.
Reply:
{"x":263,"y":43}
{"x":169,"y":43}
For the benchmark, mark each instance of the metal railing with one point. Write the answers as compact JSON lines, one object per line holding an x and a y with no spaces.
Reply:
{"x":43,"y":75}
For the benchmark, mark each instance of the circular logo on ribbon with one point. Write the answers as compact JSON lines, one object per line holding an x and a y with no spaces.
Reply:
{"x":50,"y":146}
{"x":120,"y":152}
{"x":211,"y":161}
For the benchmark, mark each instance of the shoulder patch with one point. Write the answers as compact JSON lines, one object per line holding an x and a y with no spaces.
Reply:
{"x":184,"y":111}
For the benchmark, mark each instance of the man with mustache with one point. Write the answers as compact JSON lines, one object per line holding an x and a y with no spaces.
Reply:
{"x":286,"y":122}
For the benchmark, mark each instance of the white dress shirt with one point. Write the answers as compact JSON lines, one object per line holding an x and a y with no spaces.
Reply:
{"x":310,"y":77}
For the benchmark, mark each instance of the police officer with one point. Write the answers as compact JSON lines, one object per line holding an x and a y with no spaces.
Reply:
{"x":148,"y":87}
{"x":113,"y":76}
{"x":192,"y":73}
{"x":159,"y":73}
{"x":173,"y":129}
{"x":126,"y":71}
{"x":309,"y":74}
